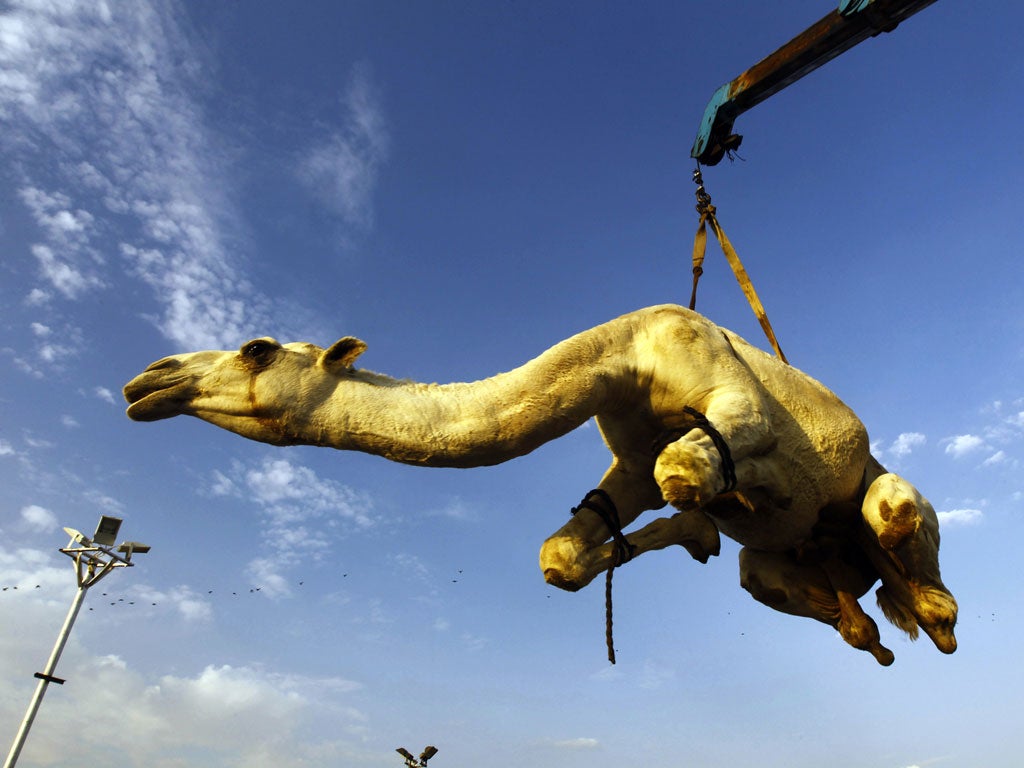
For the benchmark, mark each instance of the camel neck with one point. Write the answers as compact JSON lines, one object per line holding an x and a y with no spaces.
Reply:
{"x":473,"y":424}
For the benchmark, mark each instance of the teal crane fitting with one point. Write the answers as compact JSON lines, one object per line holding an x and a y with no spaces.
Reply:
{"x":853,"y":22}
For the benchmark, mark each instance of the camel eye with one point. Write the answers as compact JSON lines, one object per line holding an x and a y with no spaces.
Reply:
{"x":258,"y":349}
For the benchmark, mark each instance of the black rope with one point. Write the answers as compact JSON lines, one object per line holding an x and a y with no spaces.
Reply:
{"x":623,"y":550}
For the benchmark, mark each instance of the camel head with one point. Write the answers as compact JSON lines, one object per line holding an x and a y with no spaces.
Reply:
{"x":265,"y":391}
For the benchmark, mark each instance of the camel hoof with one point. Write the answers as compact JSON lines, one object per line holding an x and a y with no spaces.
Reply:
{"x":558,"y":579}
{"x":682,"y":494}
{"x":703,"y":551}
{"x":883,"y":656}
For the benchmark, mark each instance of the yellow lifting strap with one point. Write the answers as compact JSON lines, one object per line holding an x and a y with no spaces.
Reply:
{"x":707,"y":216}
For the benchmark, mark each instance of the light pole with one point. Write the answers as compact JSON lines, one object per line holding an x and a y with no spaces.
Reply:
{"x":94,"y":558}
{"x":412,"y":762}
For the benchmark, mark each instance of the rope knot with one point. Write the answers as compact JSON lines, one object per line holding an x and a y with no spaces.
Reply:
{"x":623,"y":550}
{"x":609,"y":515}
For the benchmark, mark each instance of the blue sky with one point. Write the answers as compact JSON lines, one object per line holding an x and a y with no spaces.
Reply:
{"x":462,"y":185}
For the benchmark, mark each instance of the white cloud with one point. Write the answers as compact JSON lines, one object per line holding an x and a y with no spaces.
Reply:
{"x":473,"y":643}
{"x":65,"y":276}
{"x":6,"y":449}
{"x":69,"y":421}
{"x":301,"y":515}
{"x":233,"y":714}
{"x":39,"y":518}
{"x":999,"y":457}
{"x":580,"y":743}
{"x":119,"y":89}
{"x":341,"y":169}
{"x":456,"y":509}
{"x":104,"y":394}
{"x":115,"y":100}
{"x":265,"y":575}
{"x":291,"y":493}
{"x":412,"y":566}
{"x":37,"y":297}
{"x":961,"y":445}
{"x":958,"y":517}
{"x":222,"y":485}
{"x":906,"y":442}
{"x":189,"y":604}
{"x":654,"y":676}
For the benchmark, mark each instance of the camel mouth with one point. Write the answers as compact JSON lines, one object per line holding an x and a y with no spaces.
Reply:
{"x":942,"y":637}
{"x":149,"y":403}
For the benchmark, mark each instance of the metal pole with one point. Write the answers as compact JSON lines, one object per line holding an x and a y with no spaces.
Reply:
{"x":46,"y":677}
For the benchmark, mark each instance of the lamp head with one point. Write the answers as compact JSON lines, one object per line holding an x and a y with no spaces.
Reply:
{"x":106,"y":531}
{"x":405,"y":753}
{"x":77,"y":537}
{"x":428,"y":753}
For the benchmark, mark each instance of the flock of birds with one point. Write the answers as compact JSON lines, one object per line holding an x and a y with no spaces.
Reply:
{"x":126,"y":601}
{"x":115,"y":601}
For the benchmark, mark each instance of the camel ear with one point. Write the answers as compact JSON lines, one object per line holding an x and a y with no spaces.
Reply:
{"x":343,"y":352}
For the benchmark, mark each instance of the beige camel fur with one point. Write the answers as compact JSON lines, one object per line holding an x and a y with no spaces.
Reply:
{"x":819,"y":518}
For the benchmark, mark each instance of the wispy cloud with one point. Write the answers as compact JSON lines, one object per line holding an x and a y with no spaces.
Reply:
{"x":103,"y":122}
{"x":109,"y":98}
{"x":38,"y":518}
{"x":578,"y":744}
{"x":341,"y":168}
{"x":301,"y":514}
{"x":962,"y":445}
{"x":189,"y":604}
{"x":104,"y":394}
{"x":959,"y":517}
{"x":905,"y":443}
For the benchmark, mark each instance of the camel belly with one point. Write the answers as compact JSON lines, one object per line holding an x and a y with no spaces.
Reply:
{"x":752,"y":520}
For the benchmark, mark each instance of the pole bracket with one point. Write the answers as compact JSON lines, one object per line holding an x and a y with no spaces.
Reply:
{"x":49,"y":678}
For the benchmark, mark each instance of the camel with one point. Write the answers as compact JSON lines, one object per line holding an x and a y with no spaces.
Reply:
{"x":735,"y":440}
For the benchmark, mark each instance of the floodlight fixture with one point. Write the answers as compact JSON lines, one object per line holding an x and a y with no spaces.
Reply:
{"x":428,"y":753}
{"x":133,"y":547}
{"x":93,"y":560}
{"x":77,"y":537}
{"x":412,"y":762}
{"x":106,"y":530}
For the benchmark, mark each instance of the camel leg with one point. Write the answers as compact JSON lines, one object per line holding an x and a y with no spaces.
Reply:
{"x":688,"y":473}
{"x":801,"y":589}
{"x":902,"y":541}
{"x":572,"y":556}
{"x":691,"y":530}
{"x":691,"y":470}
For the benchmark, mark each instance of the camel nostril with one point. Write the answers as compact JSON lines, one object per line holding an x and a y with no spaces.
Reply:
{"x":167,"y":363}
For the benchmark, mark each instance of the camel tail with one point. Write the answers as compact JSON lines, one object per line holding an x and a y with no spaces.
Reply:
{"x":896,"y":613}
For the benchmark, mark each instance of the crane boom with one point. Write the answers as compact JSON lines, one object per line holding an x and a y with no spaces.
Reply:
{"x":853,"y":22}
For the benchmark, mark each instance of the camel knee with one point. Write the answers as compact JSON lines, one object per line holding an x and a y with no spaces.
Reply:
{"x":688,"y":474}
{"x":894,"y":510}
